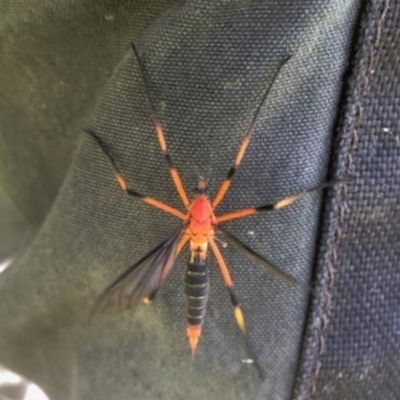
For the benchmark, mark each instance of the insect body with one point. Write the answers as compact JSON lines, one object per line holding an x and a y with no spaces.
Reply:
{"x":200,"y":225}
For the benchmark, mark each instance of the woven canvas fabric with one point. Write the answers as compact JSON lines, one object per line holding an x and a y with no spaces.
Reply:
{"x":352,"y":346}
{"x":207,"y":65}
{"x":55,"y":60}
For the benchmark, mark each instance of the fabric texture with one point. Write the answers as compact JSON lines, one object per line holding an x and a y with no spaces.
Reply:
{"x":69,"y":65}
{"x":352,"y":343}
{"x":55,"y":60}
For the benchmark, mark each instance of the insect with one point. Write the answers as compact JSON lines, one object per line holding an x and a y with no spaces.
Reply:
{"x":200,"y":226}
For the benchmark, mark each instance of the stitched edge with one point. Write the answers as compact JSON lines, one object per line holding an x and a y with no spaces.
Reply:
{"x":314,"y":344}
{"x":372,"y":49}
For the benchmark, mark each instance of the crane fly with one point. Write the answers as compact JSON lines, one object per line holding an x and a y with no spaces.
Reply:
{"x":200,"y":225}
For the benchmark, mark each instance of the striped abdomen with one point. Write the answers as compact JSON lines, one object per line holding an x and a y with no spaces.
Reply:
{"x":197,"y":287}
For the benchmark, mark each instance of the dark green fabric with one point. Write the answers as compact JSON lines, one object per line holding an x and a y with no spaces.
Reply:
{"x":207,"y":64}
{"x":55,"y":60}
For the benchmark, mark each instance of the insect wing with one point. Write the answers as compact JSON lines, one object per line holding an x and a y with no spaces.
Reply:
{"x":141,"y":280}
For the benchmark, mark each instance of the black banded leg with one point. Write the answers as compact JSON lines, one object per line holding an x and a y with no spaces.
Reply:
{"x":246,"y":140}
{"x":285,"y":202}
{"x":130,"y":191}
{"x":161,"y":137}
{"x":229,"y":284}
{"x":239,"y":316}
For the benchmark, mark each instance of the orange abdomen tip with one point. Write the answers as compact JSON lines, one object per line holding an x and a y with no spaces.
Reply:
{"x":194,"y":333}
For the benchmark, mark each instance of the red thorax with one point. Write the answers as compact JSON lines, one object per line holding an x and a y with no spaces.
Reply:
{"x":201,"y":220}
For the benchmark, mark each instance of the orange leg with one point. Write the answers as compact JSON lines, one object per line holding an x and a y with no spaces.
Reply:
{"x":239,"y":316}
{"x":124,"y":185}
{"x":161,"y":138}
{"x":229,"y":283}
{"x":287,"y":201}
{"x":245,"y":143}
{"x":181,"y":244}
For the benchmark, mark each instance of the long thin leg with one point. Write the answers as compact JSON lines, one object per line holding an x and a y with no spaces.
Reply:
{"x":287,"y":201}
{"x":246,"y":141}
{"x":252,"y":255}
{"x":239,"y":316}
{"x":132,"y":192}
{"x":229,"y":284}
{"x":161,"y":137}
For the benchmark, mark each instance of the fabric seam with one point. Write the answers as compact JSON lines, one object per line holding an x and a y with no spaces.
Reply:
{"x":341,"y":200}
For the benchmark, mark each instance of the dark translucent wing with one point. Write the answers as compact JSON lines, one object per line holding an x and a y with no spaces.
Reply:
{"x":141,"y":280}
{"x":248,"y":252}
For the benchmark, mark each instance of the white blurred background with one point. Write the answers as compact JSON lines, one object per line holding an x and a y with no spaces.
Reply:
{"x":12,"y":385}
